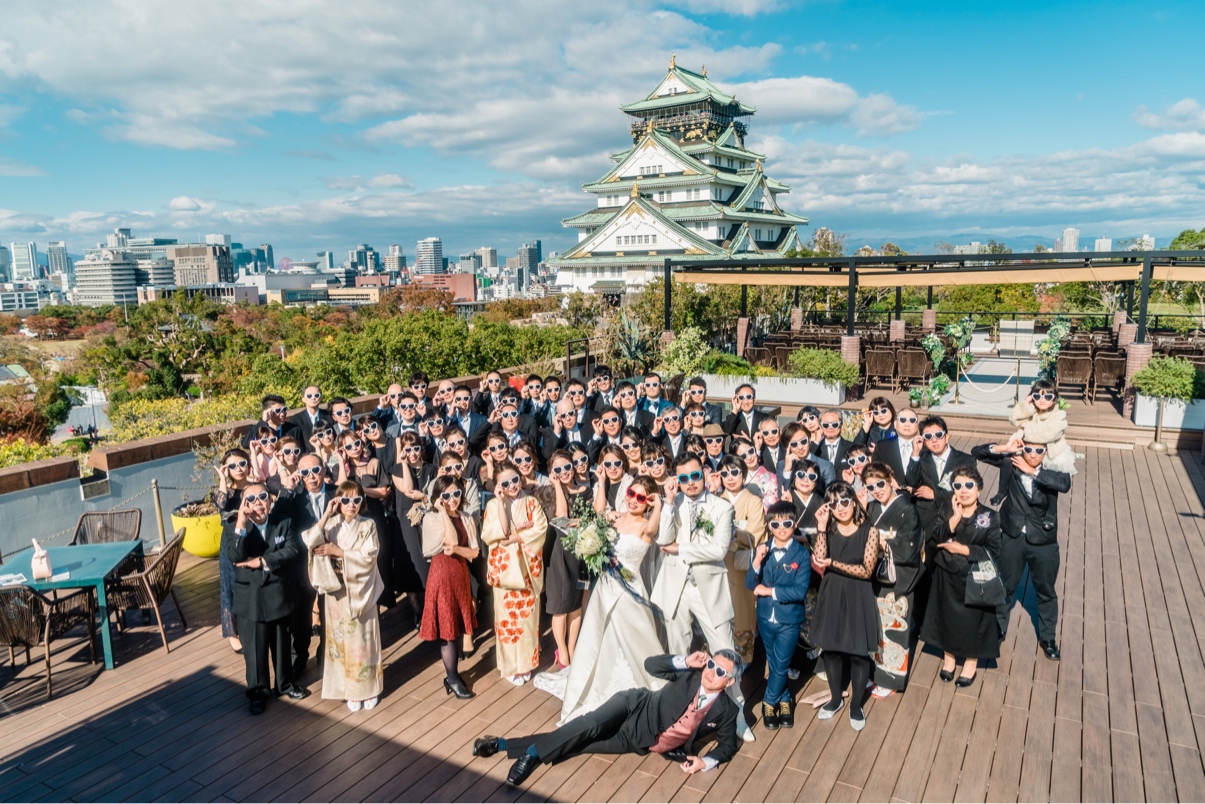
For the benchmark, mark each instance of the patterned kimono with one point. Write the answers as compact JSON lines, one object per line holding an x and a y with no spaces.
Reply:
{"x":516,"y":611}
{"x":352,"y":669}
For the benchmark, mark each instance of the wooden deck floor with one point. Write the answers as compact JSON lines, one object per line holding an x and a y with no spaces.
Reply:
{"x":1117,"y":719}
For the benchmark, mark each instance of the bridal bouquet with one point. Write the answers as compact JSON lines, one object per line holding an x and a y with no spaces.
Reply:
{"x":592,"y":539}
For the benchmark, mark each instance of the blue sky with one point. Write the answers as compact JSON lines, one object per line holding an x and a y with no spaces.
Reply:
{"x":315,"y":125}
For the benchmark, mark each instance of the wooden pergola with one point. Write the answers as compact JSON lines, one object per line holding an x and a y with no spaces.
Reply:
{"x":930,"y":270}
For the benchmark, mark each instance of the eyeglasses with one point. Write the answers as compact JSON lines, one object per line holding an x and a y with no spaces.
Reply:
{"x":625,"y":394}
{"x":713,"y":440}
{"x":880,"y":411}
{"x":534,"y":388}
{"x":744,"y":397}
{"x":407,"y":406}
{"x":843,"y":502}
{"x":609,"y":421}
{"x":769,"y":431}
{"x":936,"y":435}
{"x":312,"y":470}
{"x":341,"y":412}
{"x":715,"y":668}
{"x":411,"y":449}
{"x":698,"y":391}
{"x":695,"y":414}
{"x":576,"y":392}
{"x":239,"y":464}
{"x":809,"y":417}
{"x":831,"y":425}
{"x":582,"y":461}
{"x":692,"y":477}
{"x":370,"y":427}
{"x":493,"y":380}
{"x":907,"y":419}
{"x":505,"y":484}
{"x":510,"y":414}
{"x":313,"y":396}
{"x":628,"y":445}
{"x":420,"y":388}
{"x":651,"y":462}
{"x":569,"y":414}
{"x":521,"y":460}
{"x":746,"y":455}
{"x":612,"y":464}
{"x":730,"y":473}
{"x":1034,"y":450}
{"x":633,"y":494}
{"x":1045,"y":397}
{"x":395,"y":394}
{"x":325,"y":433}
{"x":562,"y":469}
{"x":278,"y":411}
{"x":260,"y":497}
{"x":459,"y":400}
{"x":436,"y":422}
{"x":603,"y":378}
{"x":552,"y":389}
{"x":652,"y":385}
{"x":797,"y":444}
{"x":780,"y":524}
{"x":675,"y":418}
{"x":802,"y":475}
{"x":356,"y":444}
{"x":858,"y":460}
{"x":959,"y":485}
{"x":268,"y":440}
{"x":454,"y":467}
{"x":876,"y":485}
{"x":456,"y":444}
{"x":454,"y":494}
{"x":351,"y":500}
{"x":497,"y":447}
{"x":291,"y":451}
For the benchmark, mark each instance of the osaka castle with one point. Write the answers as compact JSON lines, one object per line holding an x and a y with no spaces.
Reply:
{"x":686,"y":188}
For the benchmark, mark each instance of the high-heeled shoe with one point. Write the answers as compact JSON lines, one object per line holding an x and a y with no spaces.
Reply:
{"x":458,"y":689}
{"x":946,"y":675}
{"x":964,"y":681}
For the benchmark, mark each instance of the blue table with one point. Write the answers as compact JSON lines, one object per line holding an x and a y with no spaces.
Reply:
{"x":87,"y":565}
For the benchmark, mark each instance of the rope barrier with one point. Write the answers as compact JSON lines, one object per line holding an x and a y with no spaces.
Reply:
{"x":71,"y":529}
{"x":968,"y":381}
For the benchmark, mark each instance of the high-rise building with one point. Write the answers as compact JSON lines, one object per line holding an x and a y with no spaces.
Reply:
{"x":267,"y":247}
{"x":429,"y":256}
{"x":364,"y":258}
{"x":154,"y":273}
{"x":1104,"y":244}
{"x":218,"y":240}
{"x":57,"y":259}
{"x":140,"y":248}
{"x":395,"y":260}
{"x":25,"y":262}
{"x":489,"y":257}
{"x":106,"y":278}
{"x":1145,"y":243}
{"x":1070,"y":239}
{"x":539,"y":247}
{"x":201,"y":265}
{"x":6,"y":264}
{"x":118,"y":238}
{"x":326,"y":260}
{"x":469,"y":263}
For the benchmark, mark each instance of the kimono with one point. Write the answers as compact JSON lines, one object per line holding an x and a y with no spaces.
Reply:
{"x":352,"y":668}
{"x":748,"y":531}
{"x":516,"y":610}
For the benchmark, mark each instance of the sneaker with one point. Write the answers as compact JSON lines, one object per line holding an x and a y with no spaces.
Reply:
{"x":769,"y":716}
{"x":520,"y":679}
{"x":827,"y":714}
{"x":858,"y":723}
{"x":793,"y":674}
{"x":355,"y":705}
{"x":371,"y":703}
{"x":786,"y":717}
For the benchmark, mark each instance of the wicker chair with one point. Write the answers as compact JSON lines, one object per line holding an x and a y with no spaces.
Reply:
{"x":149,"y":587}
{"x":758,"y":355}
{"x":782,"y":356}
{"x":1109,"y":372}
{"x":880,"y":365}
{"x":29,"y":618}
{"x":1075,"y":370}
{"x":103,"y":527}
{"x":913,"y":364}
{"x":673,"y":389}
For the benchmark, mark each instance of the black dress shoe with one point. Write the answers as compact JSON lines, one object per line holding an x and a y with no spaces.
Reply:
{"x":946,"y":675}
{"x":769,"y":716}
{"x":258,"y":706}
{"x":485,"y":746}
{"x":675,"y":755}
{"x":457,"y":688}
{"x":786,"y":717}
{"x":295,"y":692}
{"x":964,"y":681}
{"x":1051,"y":650}
{"x":522,"y":768}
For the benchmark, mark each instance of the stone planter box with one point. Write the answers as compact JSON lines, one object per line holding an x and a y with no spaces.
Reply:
{"x":1176,"y":415}
{"x":787,"y":390}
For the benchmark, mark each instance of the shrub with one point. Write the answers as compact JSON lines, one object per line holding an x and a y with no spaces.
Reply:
{"x":18,"y":451}
{"x":1168,"y":378}
{"x":824,"y":365}
{"x":146,"y":418}
{"x":685,"y":354}
{"x":725,"y":364}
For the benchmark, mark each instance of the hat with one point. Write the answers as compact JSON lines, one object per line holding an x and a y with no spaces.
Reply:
{"x":712,"y":430}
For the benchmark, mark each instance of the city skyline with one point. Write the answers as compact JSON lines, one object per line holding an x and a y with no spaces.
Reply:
{"x":401,"y":141}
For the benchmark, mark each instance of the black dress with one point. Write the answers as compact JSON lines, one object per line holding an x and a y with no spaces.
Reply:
{"x":847,"y":618}
{"x":563,"y":590}
{"x":951,"y":625}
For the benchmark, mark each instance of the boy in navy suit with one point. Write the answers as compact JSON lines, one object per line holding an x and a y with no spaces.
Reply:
{"x":779,"y":576}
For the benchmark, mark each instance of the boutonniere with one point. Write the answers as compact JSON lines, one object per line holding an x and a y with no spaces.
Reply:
{"x":703,"y":523}
{"x":984,"y":520}
{"x":794,"y":565}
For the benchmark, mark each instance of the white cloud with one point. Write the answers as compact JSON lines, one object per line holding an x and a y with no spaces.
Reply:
{"x":806,"y":99}
{"x":17,"y":168}
{"x":379,"y":181}
{"x":880,"y":115}
{"x":1185,"y":115}
{"x":183,"y":203}
{"x":744,"y":8}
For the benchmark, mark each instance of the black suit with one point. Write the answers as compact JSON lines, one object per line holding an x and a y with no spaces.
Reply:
{"x":736,"y":424}
{"x":923,"y":472}
{"x":667,"y":441}
{"x":643,"y":421}
{"x":295,"y":506}
{"x":713,"y":413}
{"x":887,"y":451}
{"x":770,"y":456}
{"x":843,"y":445}
{"x":1029,"y":524}
{"x":550,"y":442}
{"x":264,"y":599}
{"x":632,"y":721}
{"x":598,"y":402}
{"x":484,"y":402}
{"x":306,"y":425}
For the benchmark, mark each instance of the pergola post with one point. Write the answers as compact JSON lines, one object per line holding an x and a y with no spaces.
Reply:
{"x":742,"y":323}
{"x":851,"y":344}
{"x":898,"y":328}
{"x":1138,"y":354}
{"x":1130,"y":298}
{"x":899,"y":302}
{"x":796,"y":312}
{"x":929,"y":317}
{"x":1145,"y":298}
{"x":669,"y":307}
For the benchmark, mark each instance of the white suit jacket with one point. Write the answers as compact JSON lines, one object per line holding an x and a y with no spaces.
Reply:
{"x":701,"y":554}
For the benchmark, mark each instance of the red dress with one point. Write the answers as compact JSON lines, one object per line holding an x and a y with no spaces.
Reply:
{"x":448,"y":613}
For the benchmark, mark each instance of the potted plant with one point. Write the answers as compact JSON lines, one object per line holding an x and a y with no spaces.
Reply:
{"x":200,"y":518}
{"x":1166,"y":379}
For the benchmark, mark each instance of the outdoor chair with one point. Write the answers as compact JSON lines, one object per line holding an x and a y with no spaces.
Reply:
{"x":150,"y":586}
{"x":1108,"y":372}
{"x":29,"y":618}
{"x":913,"y":364}
{"x":1074,"y":370}
{"x":880,"y":366}
{"x":673,"y":388}
{"x":782,"y":356}
{"x":104,"y":527}
{"x":757,"y":355}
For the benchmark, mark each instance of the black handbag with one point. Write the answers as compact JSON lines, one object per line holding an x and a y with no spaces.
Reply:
{"x":985,"y":589}
{"x":884,"y":571}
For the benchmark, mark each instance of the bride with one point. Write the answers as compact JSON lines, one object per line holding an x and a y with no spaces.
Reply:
{"x":618,"y":630}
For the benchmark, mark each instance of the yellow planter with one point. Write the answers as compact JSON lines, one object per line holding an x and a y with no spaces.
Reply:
{"x":202,"y":535}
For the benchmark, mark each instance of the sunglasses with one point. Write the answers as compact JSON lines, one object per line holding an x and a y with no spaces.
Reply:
{"x":454,"y":494}
{"x":552,"y":389}
{"x":291,"y":451}
{"x":505,"y":484}
{"x":1046,"y":397}
{"x":797,"y":444}
{"x":498,"y":447}
{"x":534,"y":388}
{"x":582,"y":461}
{"x":493,"y":381}
{"x":633,"y":494}
{"x":577,"y":392}
{"x":612,"y":464}
{"x":239,"y":464}
{"x":907,"y":419}
{"x":843,"y":502}
{"x":277,"y":411}
{"x":713,"y":440}
{"x":959,"y":485}
{"x":691,"y":477}
{"x":313,"y":396}
{"x":674,"y":418}
{"x":695,"y":414}
{"x":268,"y":440}
{"x":744,"y":397}
{"x":730,"y":473}
{"x":858,"y":460}
{"x":801,"y":475}
{"x":410,"y":449}
{"x":395,"y":394}
{"x":652,"y":385}
{"x":782,"y":524}
{"x":326,"y":433}
{"x":1034,"y":450}
{"x":769,"y":431}
{"x":876,"y":485}
{"x":627,"y":445}
{"x":260,"y":497}
{"x":313,"y":470}
{"x":460,"y":400}
{"x":356,"y":444}
{"x":831,"y":425}
{"x":609,"y":421}
{"x":698,"y":391}
{"x":562,"y":469}
{"x":436,"y":422}
{"x":715,"y":668}
{"x":456,"y":444}
{"x":569,"y":414}
{"x":935,"y":436}
{"x":370,"y":427}
{"x":454,"y":467}
{"x":651,"y":462}
{"x":407,"y":406}
{"x":351,"y":500}
{"x":808,"y":418}
{"x":603,"y":378}
{"x":341,"y":413}
{"x":625,"y":394}
{"x":422,"y":389}
{"x":522,"y":460}
{"x":880,"y":411}
{"x":744,"y":456}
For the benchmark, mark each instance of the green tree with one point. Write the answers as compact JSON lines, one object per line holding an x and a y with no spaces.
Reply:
{"x":1189,"y":240}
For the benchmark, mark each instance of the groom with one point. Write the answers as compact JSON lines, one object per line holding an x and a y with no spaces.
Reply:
{"x":695,"y":534}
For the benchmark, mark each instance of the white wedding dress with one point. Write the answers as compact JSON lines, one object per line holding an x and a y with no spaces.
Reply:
{"x":618,"y":633}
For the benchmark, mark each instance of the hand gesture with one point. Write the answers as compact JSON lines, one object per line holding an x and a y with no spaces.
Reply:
{"x":918,"y":446}
{"x":693,"y":765}
{"x":244,"y":514}
{"x":848,"y":475}
{"x":955,"y":518}
{"x":822,"y":515}
{"x":863,"y":496}
{"x":314,"y":439}
{"x":495,"y":415}
{"x":924,"y":493}
{"x":671,"y":487}
{"x":867,"y":420}
{"x":697,"y":660}
{"x":543,"y":397}
{"x":523,"y":394}
{"x":714,"y":484}
{"x":557,"y":427}
{"x":761,"y":590}
{"x":223,"y":478}
{"x":758,"y":440}
{"x":481,"y":385}
{"x":736,"y":405}
{"x":599,"y":474}
{"x":759,"y":555}
{"x":1023,"y":466}
{"x":592,"y":386}
{"x":385,"y":402}
{"x":290,"y":481}
{"x":657,"y":424}
{"x":422,"y":429}
{"x":332,"y":508}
